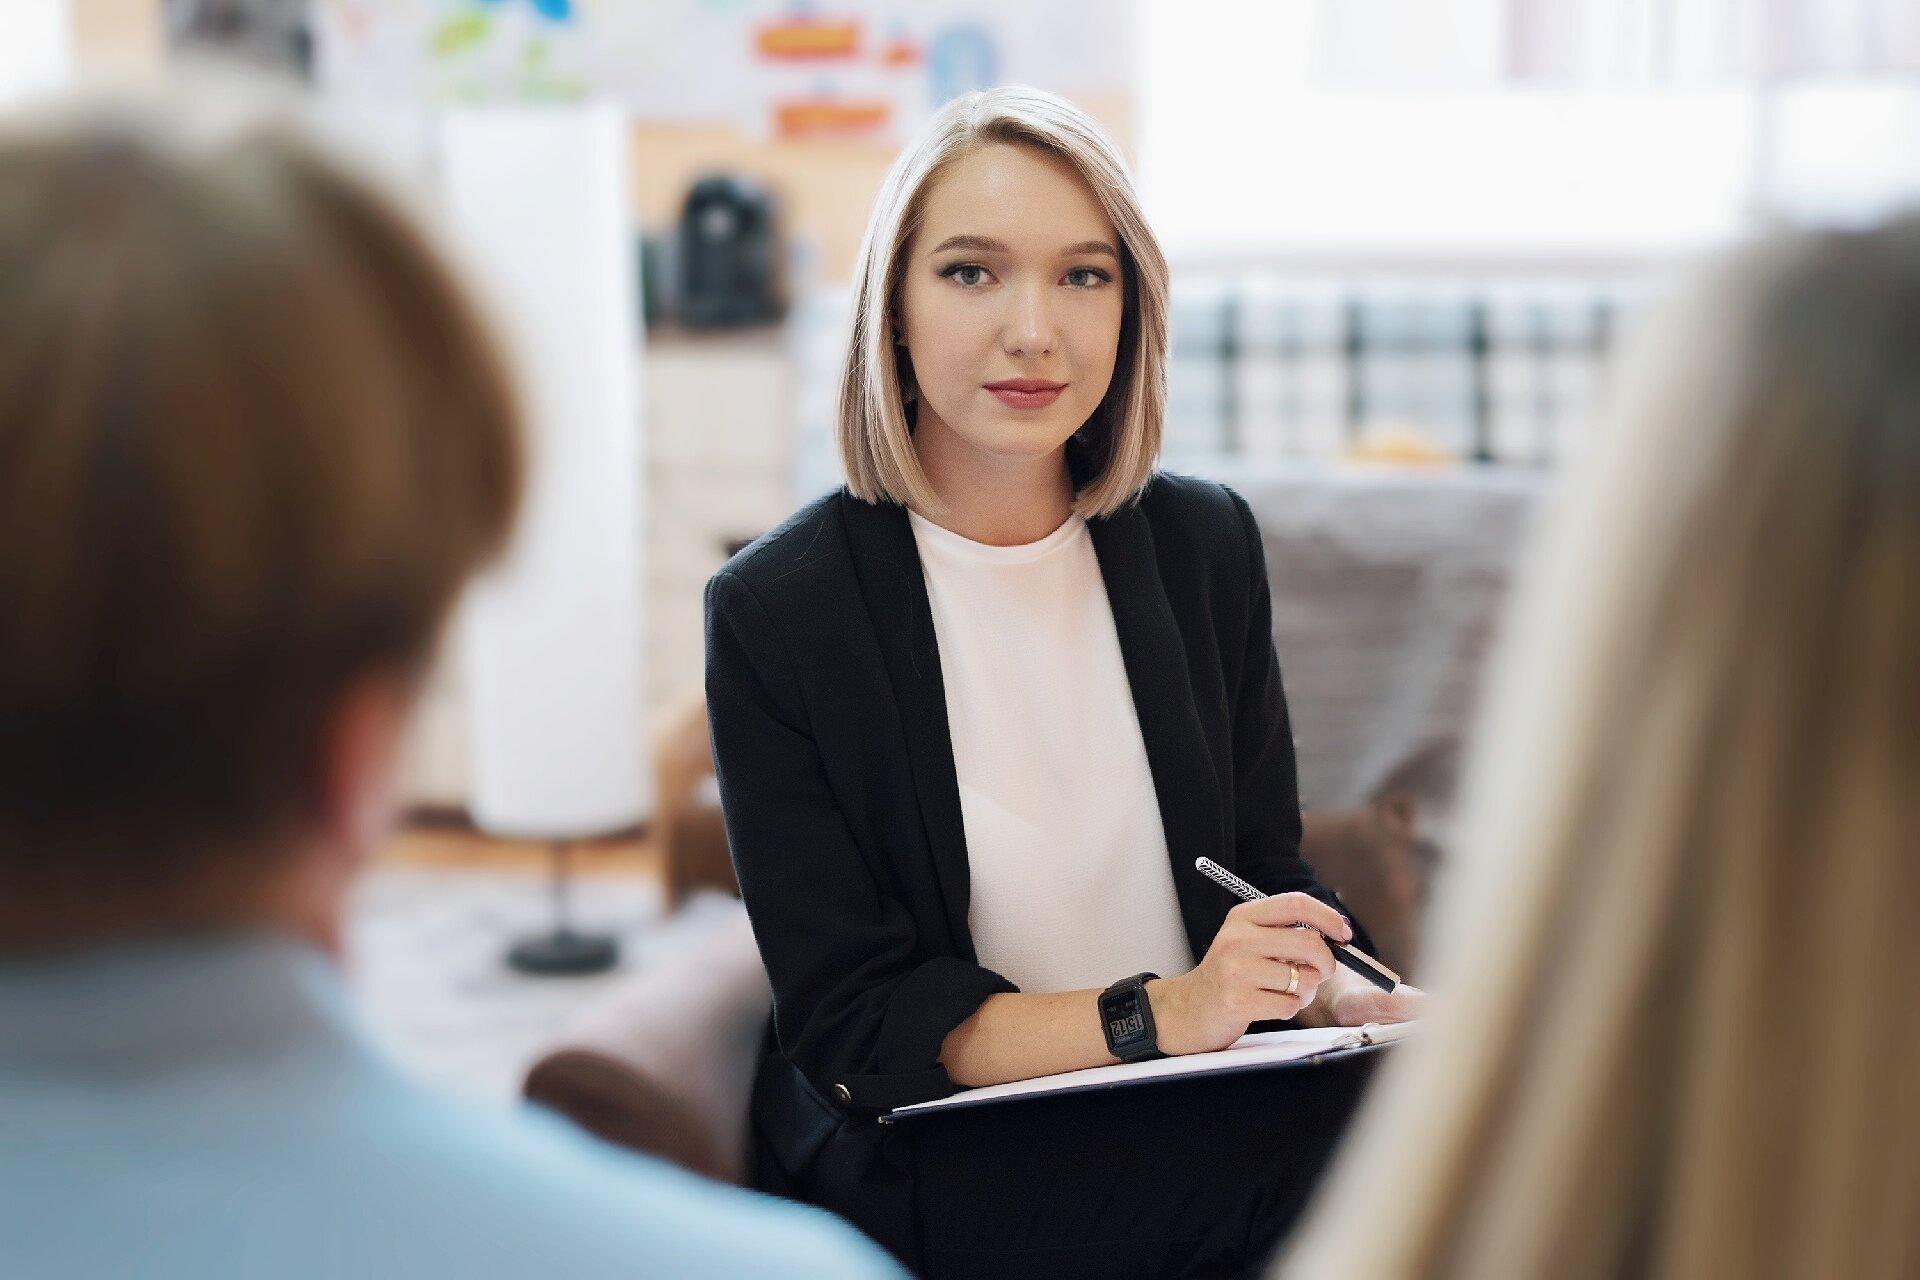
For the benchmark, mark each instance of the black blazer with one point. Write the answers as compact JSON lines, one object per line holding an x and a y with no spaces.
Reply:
{"x":843,"y":814}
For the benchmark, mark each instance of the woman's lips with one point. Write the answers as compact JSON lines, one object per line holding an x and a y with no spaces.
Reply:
{"x":1027,"y":393}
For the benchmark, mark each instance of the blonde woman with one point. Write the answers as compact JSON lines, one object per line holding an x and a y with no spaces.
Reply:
{"x":976,"y":715}
{"x":1693,"y":1028}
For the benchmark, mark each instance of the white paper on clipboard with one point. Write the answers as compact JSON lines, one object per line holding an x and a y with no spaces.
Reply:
{"x":1261,"y":1049}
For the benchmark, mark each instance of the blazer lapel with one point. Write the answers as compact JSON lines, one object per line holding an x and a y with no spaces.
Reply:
{"x":1185,"y":780}
{"x":887,"y":562}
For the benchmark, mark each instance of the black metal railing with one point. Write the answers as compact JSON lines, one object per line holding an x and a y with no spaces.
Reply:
{"x":1488,"y":372}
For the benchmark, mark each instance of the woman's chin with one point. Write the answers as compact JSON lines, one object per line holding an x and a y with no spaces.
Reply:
{"x":1020,"y":438}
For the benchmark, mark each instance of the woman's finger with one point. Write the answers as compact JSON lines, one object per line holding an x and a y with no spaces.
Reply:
{"x":1300,"y":908}
{"x":1302,"y":946}
{"x":1277,"y":975}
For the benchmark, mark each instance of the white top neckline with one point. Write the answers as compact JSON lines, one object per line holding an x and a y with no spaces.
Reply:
{"x":1020,"y":553}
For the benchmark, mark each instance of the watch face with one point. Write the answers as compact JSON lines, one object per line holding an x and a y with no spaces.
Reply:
{"x":1126,"y":1025}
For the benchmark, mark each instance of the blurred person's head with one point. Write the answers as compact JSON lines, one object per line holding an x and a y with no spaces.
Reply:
{"x":253,"y":440}
{"x":1006,"y":246}
{"x":1677,"y":957}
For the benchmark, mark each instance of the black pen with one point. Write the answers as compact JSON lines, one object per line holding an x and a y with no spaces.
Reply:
{"x":1352,"y":957}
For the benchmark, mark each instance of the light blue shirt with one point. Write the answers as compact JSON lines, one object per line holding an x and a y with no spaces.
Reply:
{"x":209,"y":1107}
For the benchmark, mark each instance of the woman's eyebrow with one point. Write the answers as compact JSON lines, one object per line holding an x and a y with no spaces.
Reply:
{"x":1090,"y":246}
{"x":979,"y":244}
{"x":986,"y":244}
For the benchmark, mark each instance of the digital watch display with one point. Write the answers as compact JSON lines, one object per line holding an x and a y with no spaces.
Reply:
{"x":1126,"y":1016}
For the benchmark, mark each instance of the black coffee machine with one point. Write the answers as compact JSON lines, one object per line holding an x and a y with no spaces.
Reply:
{"x":730,"y":255}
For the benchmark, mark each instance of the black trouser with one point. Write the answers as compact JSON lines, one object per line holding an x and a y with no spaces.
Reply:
{"x":1193,"y":1177}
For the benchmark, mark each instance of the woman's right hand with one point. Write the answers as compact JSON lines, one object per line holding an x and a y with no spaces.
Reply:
{"x":1244,"y":977}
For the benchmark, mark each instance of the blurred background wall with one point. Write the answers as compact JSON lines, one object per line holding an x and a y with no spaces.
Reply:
{"x":1407,"y":237}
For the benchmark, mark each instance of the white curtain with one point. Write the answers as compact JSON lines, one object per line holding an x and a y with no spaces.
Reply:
{"x":36,"y":48}
{"x":1691,"y":41}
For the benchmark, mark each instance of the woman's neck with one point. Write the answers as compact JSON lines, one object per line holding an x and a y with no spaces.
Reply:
{"x":990,"y":498}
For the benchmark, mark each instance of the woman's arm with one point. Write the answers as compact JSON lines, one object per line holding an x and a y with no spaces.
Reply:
{"x":859,"y":1003}
{"x":1019,"y":1036}
{"x":1242,"y":980}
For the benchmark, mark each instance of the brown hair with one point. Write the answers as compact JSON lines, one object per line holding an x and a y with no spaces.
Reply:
{"x":1678,"y":956}
{"x":1121,"y":441}
{"x":253,"y":439}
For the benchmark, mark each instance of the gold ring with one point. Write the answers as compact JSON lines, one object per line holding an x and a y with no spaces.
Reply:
{"x":1293,"y":978}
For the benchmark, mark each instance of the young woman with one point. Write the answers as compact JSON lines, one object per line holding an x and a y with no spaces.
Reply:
{"x":976,"y":715}
{"x":1690,"y":1047}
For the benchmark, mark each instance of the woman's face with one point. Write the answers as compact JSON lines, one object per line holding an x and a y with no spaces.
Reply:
{"x":1010,"y":303}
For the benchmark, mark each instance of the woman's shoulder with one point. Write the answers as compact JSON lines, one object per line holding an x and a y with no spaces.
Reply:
{"x":1196,"y":508}
{"x":794,"y":560}
{"x":788,"y":545}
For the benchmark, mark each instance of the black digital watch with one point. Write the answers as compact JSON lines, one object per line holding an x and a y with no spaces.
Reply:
{"x":1126,"y":1016}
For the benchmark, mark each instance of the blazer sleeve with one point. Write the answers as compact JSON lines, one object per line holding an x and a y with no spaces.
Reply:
{"x":1266,"y":789}
{"x":859,"y":1004}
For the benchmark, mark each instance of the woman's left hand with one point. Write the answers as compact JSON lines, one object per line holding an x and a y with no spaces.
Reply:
{"x":1354,"y":1002}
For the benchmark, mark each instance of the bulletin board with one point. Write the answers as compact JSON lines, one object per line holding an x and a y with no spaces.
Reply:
{"x":777,"y":70}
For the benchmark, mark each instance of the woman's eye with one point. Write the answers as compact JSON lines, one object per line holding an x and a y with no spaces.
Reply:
{"x":966,"y":274}
{"x":1087,"y":277}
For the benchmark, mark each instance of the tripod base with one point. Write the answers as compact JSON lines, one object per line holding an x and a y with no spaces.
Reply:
{"x":564,"y":953}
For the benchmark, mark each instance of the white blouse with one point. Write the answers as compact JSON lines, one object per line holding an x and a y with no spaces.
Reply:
{"x":1071,"y":883}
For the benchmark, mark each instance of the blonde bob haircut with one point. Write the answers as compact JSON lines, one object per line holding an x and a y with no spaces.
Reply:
{"x":1120,"y":442}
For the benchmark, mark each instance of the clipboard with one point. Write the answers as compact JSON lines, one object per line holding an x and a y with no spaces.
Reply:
{"x":1254,"y":1052}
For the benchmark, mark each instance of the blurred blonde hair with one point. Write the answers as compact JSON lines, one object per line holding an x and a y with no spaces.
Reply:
{"x":1679,"y":1018}
{"x":253,"y":440}
{"x":1122,"y":439}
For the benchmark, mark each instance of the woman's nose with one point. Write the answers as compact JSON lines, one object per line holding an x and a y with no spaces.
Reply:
{"x":1030,"y":327}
